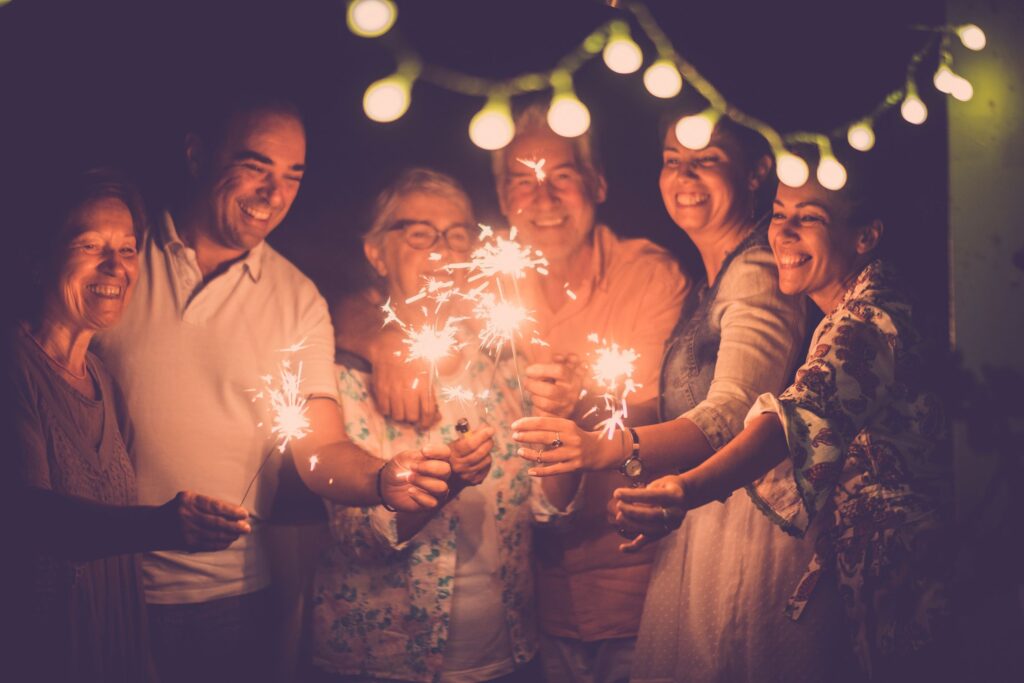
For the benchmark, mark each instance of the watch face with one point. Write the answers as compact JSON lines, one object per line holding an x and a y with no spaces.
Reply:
{"x":633,"y":468}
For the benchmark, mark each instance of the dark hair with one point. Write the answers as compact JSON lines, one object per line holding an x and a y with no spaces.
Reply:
{"x":752,"y":144}
{"x":210,"y":121}
{"x":863,"y":193}
{"x":48,"y":224}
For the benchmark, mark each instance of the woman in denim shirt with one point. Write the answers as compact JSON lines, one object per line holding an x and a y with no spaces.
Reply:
{"x":852,"y":443}
{"x":713,"y":610}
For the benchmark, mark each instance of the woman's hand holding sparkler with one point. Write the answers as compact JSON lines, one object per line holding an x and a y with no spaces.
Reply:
{"x":471,"y":458}
{"x":400,"y":387}
{"x":199,"y":523}
{"x":414,"y":481}
{"x":555,"y":387}
{"x":652,"y":512}
{"x":568,"y":448}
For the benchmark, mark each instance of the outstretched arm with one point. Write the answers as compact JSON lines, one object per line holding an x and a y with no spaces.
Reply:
{"x":335,"y":468}
{"x":661,"y":507}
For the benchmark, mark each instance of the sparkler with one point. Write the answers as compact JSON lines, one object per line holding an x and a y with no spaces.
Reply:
{"x":287,"y":405}
{"x":496,"y":259}
{"x":428,"y":342}
{"x":612,"y":371}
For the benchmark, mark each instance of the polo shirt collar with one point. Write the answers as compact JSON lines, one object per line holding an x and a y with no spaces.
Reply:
{"x":252,"y":263}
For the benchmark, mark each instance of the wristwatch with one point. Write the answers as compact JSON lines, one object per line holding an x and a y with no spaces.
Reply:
{"x":633,"y":468}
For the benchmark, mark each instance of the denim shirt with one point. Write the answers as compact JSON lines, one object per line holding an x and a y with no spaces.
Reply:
{"x":734,"y":340}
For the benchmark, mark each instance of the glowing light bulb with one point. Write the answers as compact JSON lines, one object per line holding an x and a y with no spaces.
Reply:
{"x":792,"y":170}
{"x":567,"y":116}
{"x":861,"y":136}
{"x":622,"y":55}
{"x":944,"y":79}
{"x":971,"y":36}
{"x":492,"y":128}
{"x":694,"y":132}
{"x":662,"y":79}
{"x":962,"y":89}
{"x":387,"y":100}
{"x":371,"y":18}
{"x":913,"y":109}
{"x":831,"y":174}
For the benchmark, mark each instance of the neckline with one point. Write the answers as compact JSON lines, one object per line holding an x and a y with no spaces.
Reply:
{"x":48,"y":363}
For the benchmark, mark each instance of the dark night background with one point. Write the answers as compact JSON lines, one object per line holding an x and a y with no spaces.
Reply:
{"x":100,"y":81}
{"x":104,"y":81}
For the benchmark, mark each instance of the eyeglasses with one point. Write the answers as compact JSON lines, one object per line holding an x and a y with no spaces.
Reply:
{"x":424,"y":235}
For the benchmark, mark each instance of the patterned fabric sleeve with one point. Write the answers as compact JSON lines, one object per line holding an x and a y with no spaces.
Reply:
{"x":844,"y":383}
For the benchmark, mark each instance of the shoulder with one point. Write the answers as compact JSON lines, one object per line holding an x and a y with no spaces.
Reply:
{"x":751,"y":272}
{"x":638,"y":255}
{"x":876,"y":299}
{"x":284,"y":273}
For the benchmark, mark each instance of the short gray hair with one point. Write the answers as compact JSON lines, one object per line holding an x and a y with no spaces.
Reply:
{"x":534,"y":117}
{"x":417,"y":179}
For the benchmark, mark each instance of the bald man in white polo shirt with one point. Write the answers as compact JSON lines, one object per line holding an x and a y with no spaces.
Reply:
{"x":215,"y":309}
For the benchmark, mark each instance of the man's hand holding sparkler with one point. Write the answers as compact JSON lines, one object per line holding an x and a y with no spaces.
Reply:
{"x":416,"y":480}
{"x":200,"y":523}
{"x":652,"y":512}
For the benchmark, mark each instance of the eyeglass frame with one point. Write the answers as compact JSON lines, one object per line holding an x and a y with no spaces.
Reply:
{"x":404,"y":223}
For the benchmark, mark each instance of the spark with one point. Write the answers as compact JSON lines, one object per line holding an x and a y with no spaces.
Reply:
{"x":502,"y":320}
{"x":330,"y":482}
{"x":536,"y":166}
{"x":434,"y":256}
{"x":571,"y":294}
{"x":456,"y":393}
{"x":314,"y":460}
{"x":294,"y":348}
{"x":501,"y":256}
{"x":612,"y":370}
{"x":288,"y":405}
{"x":428,"y":342}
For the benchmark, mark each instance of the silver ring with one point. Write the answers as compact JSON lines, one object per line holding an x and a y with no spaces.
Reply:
{"x":557,"y":443}
{"x":664,"y":514}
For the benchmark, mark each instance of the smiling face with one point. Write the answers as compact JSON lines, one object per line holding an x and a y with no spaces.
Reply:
{"x":248,"y":183}
{"x":556,"y":214}
{"x":405,"y":266}
{"x":97,"y":269}
{"x":709,"y":189}
{"x":816,"y":250}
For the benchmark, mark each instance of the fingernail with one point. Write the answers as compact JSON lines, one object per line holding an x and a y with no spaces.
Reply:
{"x":516,"y":435}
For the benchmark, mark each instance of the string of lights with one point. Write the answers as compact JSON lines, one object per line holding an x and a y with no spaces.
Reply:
{"x":492,"y":127}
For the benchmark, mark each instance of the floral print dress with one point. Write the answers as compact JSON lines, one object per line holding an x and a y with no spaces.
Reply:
{"x":382,"y":608}
{"x":862,"y":438}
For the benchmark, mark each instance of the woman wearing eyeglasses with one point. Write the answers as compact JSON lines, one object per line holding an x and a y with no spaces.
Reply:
{"x":447,"y":594}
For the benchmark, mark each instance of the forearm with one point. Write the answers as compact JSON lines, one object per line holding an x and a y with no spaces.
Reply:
{"x":561,"y":489}
{"x":78,"y":529}
{"x":341,"y":472}
{"x":666,"y":448}
{"x":757,"y":449}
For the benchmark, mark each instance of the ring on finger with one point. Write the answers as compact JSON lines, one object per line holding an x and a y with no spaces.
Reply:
{"x":557,"y":443}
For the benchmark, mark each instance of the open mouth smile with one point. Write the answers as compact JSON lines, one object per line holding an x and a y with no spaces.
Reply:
{"x":687,"y":199}
{"x":106,"y":291}
{"x":260,"y":212}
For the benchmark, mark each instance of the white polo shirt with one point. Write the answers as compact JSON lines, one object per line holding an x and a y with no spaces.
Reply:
{"x":191,"y":359}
